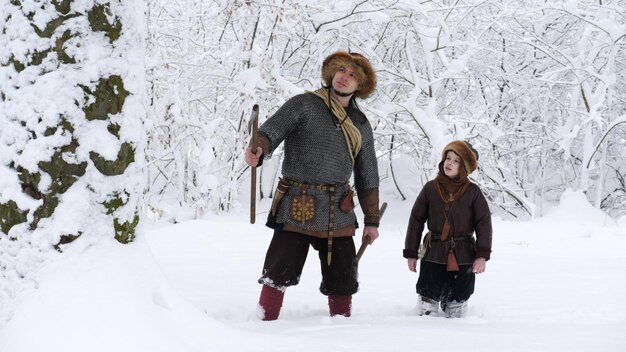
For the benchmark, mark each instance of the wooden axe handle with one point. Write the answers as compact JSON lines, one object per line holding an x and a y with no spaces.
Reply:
{"x":254,"y":121}
{"x":366,"y":239}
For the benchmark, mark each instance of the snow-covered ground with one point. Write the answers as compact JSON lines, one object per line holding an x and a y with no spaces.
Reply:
{"x":553,"y":284}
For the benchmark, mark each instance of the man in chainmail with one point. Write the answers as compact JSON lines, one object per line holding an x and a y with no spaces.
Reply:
{"x":326,"y":137}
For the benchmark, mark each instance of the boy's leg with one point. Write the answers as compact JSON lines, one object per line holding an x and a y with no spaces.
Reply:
{"x":427,"y":306}
{"x":430,"y":286}
{"x":459,"y":288}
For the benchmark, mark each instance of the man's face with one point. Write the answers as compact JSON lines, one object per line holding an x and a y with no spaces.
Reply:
{"x":345,"y":80}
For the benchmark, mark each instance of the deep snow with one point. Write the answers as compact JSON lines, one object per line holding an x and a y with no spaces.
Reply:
{"x":553,"y":284}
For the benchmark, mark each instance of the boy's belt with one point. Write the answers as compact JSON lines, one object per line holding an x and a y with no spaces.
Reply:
{"x":437,"y":236}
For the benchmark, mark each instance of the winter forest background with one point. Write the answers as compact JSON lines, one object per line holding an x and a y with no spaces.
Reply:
{"x":537,"y":86}
{"x":114,"y":109}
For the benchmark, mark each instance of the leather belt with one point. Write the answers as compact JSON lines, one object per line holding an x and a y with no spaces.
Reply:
{"x":465,"y":237}
{"x":321,"y":188}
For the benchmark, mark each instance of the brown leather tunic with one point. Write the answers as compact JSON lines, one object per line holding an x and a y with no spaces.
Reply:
{"x":468,"y":215}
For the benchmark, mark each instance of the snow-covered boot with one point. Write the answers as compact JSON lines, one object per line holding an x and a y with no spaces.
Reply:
{"x":339,"y":305}
{"x":455,"y":309}
{"x":427,"y":306}
{"x":271,"y":301}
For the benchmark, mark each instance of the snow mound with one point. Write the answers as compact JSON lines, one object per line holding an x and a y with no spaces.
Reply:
{"x":110,"y":297}
{"x":575,"y":208}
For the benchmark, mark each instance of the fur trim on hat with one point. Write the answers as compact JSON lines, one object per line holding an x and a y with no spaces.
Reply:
{"x":364,"y":71}
{"x":465,"y":151}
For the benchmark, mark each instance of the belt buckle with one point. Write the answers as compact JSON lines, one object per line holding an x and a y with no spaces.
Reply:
{"x":322,"y":188}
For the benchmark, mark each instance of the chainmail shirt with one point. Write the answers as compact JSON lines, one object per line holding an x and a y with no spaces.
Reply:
{"x":315,"y":152}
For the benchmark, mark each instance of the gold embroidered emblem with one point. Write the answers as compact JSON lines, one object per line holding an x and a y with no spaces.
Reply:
{"x":303,"y":208}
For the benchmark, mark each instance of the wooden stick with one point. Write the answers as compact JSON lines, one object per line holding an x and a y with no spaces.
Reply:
{"x":254,"y":123}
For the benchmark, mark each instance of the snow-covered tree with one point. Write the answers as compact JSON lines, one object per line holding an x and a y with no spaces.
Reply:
{"x":72,"y":136}
{"x":536,"y":86}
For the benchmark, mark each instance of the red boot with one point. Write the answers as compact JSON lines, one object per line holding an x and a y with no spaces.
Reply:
{"x":271,"y":301}
{"x":339,"y":305}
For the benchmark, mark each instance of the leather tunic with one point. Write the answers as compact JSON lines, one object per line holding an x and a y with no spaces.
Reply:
{"x":468,"y":215}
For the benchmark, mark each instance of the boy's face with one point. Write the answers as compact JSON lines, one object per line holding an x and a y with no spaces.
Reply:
{"x":452,"y":164}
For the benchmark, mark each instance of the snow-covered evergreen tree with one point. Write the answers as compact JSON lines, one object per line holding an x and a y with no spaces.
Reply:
{"x":72,"y":137}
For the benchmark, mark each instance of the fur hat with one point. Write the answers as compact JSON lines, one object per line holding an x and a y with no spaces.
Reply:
{"x":364,"y":71}
{"x":465,"y":151}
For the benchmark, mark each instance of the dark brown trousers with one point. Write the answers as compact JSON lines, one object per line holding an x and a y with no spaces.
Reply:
{"x":288,"y":251}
